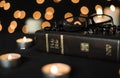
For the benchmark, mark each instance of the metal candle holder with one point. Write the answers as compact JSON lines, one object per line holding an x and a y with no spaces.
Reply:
{"x":10,"y":60}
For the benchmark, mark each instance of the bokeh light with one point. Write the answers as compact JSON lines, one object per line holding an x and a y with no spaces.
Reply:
{"x":77,"y":23}
{"x":10,"y":30}
{"x":48,"y":16}
{"x":6,"y":6}
{"x":40,"y":1}
{"x":2,"y":3}
{"x":84,"y":10}
{"x":45,"y":24}
{"x":13,"y":24}
{"x":57,"y":1}
{"x":67,"y":15}
{"x":75,"y":1}
{"x":50,"y":10}
{"x":24,"y":29}
{"x":37,"y":15}
{"x":22,"y":14}
{"x":0,"y":27}
{"x":17,"y":14}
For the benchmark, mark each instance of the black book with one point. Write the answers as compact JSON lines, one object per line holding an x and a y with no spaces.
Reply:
{"x":79,"y":44}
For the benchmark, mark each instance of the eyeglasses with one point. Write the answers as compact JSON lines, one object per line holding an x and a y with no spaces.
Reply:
{"x":102,"y":24}
{"x":96,"y":24}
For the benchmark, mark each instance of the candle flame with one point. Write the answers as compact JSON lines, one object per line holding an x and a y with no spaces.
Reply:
{"x":112,"y":7}
{"x":9,"y":57}
{"x":24,"y":38}
{"x":98,"y":6}
{"x":54,"y":70}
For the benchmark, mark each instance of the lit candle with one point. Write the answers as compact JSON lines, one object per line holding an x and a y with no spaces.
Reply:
{"x":24,"y":42}
{"x":99,"y":18}
{"x":114,"y":12}
{"x":9,"y":60}
{"x":56,"y":70}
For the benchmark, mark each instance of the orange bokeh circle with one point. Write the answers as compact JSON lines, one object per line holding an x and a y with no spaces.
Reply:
{"x":45,"y":24}
{"x":24,"y":29}
{"x":50,"y":9}
{"x":48,"y":16}
{"x":10,"y":30}
{"x":40,"y":1}
{"x":22,"y":14}
{"x":37,"y":15}
{"x":2,"y":3}
{"x":75,"y":1}
{"x":13,"y":24}
{"x":17,"y":14}
{"x":68,"y":14}
{"x":0,"y":27}
{"x":57,"y":1}
{"x":6,"y":6}
{"x":84,"y":10}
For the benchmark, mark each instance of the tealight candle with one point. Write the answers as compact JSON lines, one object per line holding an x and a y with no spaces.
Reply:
{"x":56,"y":70}
{"x":24,"y":42}
{"x":10,"y":60}
{"x":99,"y":18}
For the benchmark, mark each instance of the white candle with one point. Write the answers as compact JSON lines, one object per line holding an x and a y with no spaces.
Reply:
{"x":114,"y":12}
{"x":24,"y":42}
{"x":55,"y":70}
{"x":9,"y":60}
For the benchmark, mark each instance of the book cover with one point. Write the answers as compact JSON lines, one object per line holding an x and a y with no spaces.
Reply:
{"x":77,"y":44}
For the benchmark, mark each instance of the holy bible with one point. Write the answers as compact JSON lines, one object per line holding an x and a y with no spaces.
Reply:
{"x":77,"y":44}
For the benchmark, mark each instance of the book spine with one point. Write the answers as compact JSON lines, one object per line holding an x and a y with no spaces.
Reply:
{"x":74,"y":45}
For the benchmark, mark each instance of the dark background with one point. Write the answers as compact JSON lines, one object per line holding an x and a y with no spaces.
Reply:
{"x":60,"y":9}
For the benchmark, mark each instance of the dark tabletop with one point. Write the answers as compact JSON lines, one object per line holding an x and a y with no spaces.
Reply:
{"x":32,"y":61}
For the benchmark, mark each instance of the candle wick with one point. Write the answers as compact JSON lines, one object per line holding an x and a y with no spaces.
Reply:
{"x":24,"y":38}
